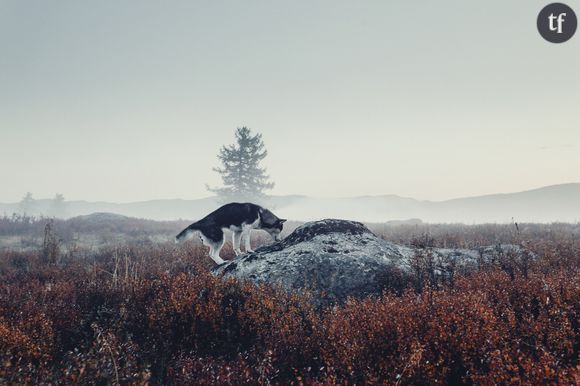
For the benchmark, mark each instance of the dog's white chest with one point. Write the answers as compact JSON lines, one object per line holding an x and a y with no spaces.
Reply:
{"x":253,"y":225}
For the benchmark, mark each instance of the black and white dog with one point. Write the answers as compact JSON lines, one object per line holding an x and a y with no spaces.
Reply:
{"x":240,"y":219}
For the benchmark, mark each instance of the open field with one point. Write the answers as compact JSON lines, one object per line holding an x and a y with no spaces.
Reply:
{"x":105,"y":300}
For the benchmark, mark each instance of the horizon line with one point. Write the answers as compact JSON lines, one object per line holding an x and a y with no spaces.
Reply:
{"x":314,"y":197}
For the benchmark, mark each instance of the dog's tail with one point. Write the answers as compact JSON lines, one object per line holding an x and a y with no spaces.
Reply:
{"x":184,"y":234}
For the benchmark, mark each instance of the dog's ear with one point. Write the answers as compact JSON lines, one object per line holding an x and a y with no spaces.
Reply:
{"x":282,"y":220}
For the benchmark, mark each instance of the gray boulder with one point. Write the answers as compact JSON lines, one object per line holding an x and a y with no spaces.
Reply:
{"x":336,"y":259}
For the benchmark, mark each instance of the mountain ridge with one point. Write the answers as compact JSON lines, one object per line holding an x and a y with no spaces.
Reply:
{"x":553,"y":203}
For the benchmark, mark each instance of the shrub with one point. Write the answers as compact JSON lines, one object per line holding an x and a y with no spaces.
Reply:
{"x":131,"y":313}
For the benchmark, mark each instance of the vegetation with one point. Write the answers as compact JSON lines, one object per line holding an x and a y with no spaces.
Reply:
{"x":243,"y":177}
{"x":55,"y":207}
{"x":152,"y":313}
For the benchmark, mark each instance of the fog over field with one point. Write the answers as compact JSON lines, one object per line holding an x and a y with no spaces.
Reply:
{"x":560,"y":203}
{"x":413,"y":173}
{"x":130,"y":102}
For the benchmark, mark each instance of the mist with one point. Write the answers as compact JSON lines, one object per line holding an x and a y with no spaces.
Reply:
{"x":118,"y":103}
{"x":560,"y":203}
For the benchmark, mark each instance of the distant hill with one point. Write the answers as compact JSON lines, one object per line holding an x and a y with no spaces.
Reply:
{"x":557,"y":203}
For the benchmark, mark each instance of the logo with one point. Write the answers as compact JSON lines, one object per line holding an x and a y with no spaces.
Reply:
{"x":557,"y":23}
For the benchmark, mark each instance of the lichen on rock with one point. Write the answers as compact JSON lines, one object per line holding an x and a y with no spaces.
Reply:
{"x":336,"y":259}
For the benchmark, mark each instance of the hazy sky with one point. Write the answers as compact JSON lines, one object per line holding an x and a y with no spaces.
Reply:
{"x":131,"y":100}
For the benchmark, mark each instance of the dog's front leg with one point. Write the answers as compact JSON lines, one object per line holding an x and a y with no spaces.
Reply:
{"x":236,"y":238}
{"x":247,"y":242}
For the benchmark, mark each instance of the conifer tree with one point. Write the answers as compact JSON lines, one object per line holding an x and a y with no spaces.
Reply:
{"x":243,"y":177}
{"x":27,"y":204}
{"x":57,"y":206}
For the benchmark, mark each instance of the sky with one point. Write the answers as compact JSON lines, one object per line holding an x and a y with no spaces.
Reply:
{"x":131,"y":100}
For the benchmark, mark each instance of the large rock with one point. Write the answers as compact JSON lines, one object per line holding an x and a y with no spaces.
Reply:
{"x":338,"y":258}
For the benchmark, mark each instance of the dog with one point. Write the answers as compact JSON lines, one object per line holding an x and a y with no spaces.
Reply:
{"x":240,"y":219}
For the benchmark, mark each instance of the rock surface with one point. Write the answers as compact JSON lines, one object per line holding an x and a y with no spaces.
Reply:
{"x":338,"y":258}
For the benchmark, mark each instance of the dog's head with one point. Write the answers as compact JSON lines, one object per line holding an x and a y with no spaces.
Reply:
{"x":271,"y":224}
{"x":275,"y":229}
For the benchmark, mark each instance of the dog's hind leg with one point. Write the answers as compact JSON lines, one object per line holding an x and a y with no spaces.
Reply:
{"x":214,"y":239}
{"x":236,"y":238}
{"x":215,"y":252}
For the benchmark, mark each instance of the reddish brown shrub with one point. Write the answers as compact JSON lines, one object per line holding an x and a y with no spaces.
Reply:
{"x":131,"y":314}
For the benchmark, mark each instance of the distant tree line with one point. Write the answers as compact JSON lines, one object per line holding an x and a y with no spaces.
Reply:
{"x":56,"y":207}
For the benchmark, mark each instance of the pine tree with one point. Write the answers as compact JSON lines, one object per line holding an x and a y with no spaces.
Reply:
{"x":57,"y":206}
{"x":242,"y":176}
{"x":27,"y":204}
